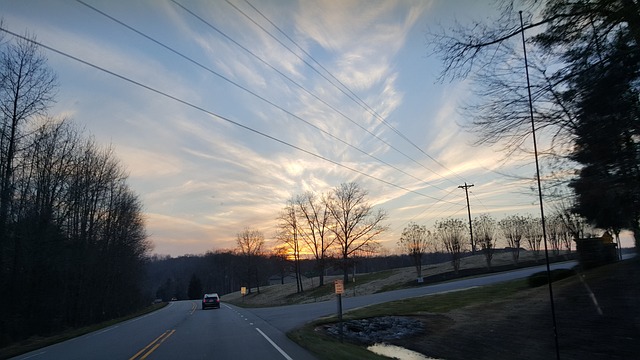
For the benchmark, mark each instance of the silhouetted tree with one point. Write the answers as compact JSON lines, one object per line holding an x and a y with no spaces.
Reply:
{"x":485,"y":230}
{"x":533,"y":234}
{"x":250,"y":243}
{"x":513,"y":228}
{"x":452,"y":233}
{"x":316,"y":233}
{"x":289,"y":234}
{"x":585,"y":73}
{"x":356,"y":223}
{"x":415,"y":241}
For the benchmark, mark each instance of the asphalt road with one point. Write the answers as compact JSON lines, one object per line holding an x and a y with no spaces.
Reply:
{"x":182,"y":330}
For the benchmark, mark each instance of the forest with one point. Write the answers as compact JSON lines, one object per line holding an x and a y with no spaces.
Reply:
{"x":72,"y":237}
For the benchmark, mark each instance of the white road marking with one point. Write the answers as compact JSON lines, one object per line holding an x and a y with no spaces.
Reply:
{"x":275,"y":345}
{"x":591,"y":294}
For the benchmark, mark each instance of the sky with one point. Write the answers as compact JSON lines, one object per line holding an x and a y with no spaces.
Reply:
{"x":222,"y":111}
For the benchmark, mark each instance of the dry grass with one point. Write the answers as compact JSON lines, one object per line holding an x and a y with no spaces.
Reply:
{"x":371,"y":283}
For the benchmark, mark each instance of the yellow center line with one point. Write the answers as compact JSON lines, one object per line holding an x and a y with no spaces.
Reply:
{"x":157,"y":345}
{"x":159,"y":340}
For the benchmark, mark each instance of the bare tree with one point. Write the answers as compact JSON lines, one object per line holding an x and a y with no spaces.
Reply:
{"x":415,"y":240}
{"x":533,"y":234}
{"x":316,"y":234}
{"x":356,"y":223}
{"x":250,"y":243}
{"x":513,"y":228}
{"x":70,"y":226}
{"x":486,"y":227}
{"x":27,"y":88}
{"x":452,"y":233}
{"x":583,"y":76}
{"x":575,"y":224}
{"x":289,"y":234}
{"x":555,"y":228}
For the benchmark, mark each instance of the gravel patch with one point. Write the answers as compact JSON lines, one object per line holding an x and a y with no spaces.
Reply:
{"x":378,"y":329}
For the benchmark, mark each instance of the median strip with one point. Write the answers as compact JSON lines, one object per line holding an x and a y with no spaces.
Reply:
{"x":142,"y":354}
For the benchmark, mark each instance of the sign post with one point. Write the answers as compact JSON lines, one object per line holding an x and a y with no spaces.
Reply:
{"x":243,"y":291}
{"x":339,"y":286}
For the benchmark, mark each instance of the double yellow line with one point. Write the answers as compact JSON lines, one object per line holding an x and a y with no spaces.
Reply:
{"x":142,"y":354}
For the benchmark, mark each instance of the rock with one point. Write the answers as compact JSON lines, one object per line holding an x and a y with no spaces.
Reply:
{"x":379,"y":329}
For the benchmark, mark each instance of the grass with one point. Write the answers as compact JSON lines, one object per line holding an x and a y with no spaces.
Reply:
{"x":441,"y":303}
{"x":35,"y":343}
{"x":327,"y":347}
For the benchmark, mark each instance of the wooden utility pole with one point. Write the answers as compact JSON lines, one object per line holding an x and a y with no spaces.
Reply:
{"x":466,"y":191}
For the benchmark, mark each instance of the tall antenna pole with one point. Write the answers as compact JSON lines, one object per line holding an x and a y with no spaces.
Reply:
{"x":466,"y":191}
{"x":544,"y":228}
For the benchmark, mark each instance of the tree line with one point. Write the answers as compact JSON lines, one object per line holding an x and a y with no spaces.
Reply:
{"x":515,"y":232}
{"x":72,"y":236}
{"x":226,"y":271}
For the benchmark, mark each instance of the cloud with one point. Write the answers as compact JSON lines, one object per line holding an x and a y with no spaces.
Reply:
{"x":145,"y":163}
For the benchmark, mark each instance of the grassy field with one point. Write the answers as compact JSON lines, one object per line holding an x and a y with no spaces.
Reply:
{"x":511,"y":320}
{"x":326,"y":347}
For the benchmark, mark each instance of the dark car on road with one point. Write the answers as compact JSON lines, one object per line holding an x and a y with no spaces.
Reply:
{"x":210,"y":300}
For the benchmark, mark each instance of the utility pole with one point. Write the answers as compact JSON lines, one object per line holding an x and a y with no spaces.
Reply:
{"x":466,"y":191}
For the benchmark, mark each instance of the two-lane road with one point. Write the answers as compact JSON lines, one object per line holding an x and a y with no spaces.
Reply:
{"x":181,"y":330}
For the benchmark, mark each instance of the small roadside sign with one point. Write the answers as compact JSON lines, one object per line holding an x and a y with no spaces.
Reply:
{"x":339,"y":285}
{"x":243,"y":290}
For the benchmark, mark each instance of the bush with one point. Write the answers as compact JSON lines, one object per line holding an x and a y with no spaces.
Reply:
{"x":540,"y":278}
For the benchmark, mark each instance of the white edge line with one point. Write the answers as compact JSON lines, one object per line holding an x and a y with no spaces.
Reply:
{"x":274,"y":345}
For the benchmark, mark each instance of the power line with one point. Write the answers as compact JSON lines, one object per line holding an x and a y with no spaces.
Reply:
{"x":429,"y":207}
{"x":353,"y":96}
{"x":201,"y":109}
{"x":250,"y":91}
{"x":302,"y":87}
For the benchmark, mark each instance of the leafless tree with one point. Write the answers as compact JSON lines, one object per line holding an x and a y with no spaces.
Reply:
{"x":289,"y":234}
{"x":485,"y":228}
{"x":70,"y":226}
{"x":575,"y":224}
{"x":250,"y":243}
{"x":513,"y":228}
{"x":452,"y":233}
{"x":533,"y":234}
{"x":356,"y":223}
{"x":316,"y":233}
{"x":415,"y":240}
{"x":555,"y":230}
{"x":27,"y":88}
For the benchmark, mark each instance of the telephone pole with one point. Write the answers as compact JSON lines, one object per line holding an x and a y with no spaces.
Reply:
{"x":466,"y":191}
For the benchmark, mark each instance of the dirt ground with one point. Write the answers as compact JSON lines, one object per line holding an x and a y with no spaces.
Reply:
{"x":522,"y":328}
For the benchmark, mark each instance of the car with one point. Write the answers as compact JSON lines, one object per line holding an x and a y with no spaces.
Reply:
{"x":211,"y":300}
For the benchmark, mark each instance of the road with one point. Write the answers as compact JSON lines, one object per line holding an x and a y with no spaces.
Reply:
{"x":182,"y":330}
{"x":286,"y":318}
